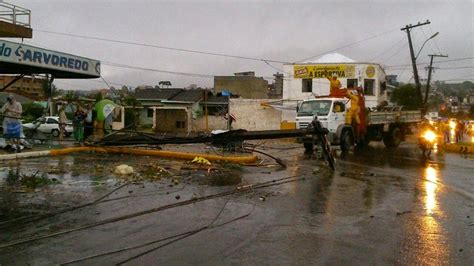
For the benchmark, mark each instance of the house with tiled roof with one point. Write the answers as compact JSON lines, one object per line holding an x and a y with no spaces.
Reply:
{"x":180,"y":110}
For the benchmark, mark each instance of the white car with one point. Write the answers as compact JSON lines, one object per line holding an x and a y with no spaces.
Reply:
{"x":49,"y":125}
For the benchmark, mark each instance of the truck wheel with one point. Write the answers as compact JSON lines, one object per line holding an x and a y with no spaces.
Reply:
{"x":55,"y":132}
{"x":346,"y":140}
{"x":393,"y":139}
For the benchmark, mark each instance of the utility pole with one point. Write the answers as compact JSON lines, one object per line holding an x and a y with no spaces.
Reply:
{"x":205,"y":110}
{"x":430,"y":69}
{"x":413,"y":58}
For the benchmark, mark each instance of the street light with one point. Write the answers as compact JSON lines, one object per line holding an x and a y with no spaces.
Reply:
{"x":434,"y":35}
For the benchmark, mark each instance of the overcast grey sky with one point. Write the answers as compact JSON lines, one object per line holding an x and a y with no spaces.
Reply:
{"x":278,"y":30}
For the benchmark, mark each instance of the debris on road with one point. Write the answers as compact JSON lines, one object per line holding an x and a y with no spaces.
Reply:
{"x":123,"y":169}
{"x":201,"y":160}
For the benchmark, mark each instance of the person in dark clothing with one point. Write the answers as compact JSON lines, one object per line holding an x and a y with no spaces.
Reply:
{"x":88,"y":125}
{"x":78,"y":124}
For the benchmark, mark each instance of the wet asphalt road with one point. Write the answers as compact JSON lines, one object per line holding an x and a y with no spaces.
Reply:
{"x":380,"y":206}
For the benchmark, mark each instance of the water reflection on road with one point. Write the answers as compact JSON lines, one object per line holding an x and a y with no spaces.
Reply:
{"x":430,"y":236}
{"x":430,"y":187}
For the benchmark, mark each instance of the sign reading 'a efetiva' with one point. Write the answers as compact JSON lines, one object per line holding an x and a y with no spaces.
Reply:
{"x":323,"y":71}
{"x":31,"y":56}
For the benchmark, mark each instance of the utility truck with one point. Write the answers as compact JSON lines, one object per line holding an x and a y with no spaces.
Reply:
{"x":387,"y":124}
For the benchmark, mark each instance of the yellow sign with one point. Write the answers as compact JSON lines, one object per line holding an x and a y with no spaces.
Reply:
{"x":370,"y":71}
{"x":323,"y":71}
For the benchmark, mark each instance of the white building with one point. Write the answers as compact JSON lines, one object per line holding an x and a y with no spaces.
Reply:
{"x":304,"y":81}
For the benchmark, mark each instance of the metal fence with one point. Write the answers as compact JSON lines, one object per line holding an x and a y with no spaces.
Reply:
{"x":15,"y":14}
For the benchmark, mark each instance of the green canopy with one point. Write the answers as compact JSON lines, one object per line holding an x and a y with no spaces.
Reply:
{"x":43,"y":104}
{"x":104,"y":108}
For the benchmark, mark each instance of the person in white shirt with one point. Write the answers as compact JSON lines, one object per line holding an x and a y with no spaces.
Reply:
{"x":12,"y":128}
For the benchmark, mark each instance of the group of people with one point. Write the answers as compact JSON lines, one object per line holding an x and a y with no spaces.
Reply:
{"x":449,"y":130}
{"x":446,"y":128}
{"x":82,"y":122}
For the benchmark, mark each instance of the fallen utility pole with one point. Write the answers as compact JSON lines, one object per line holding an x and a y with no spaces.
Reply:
{"x":430,"y":70}
{"x":230,"y":139}
{"x":413,"y":58}
{"x":232,"y":136}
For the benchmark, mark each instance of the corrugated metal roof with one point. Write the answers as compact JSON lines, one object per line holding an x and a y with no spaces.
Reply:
{"x":191,"y":96}
{"x":157,"y":94}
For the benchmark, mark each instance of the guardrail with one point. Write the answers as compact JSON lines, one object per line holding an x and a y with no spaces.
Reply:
{"x":15,"y":14}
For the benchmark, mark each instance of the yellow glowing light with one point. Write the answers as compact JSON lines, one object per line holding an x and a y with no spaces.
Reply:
{"x":430,"y":187}
{"x":429,"y":135}
{"x":452,"y":124}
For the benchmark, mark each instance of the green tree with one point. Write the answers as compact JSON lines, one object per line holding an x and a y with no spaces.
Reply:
{"x":407,"y":97}
{"x":434,"y":102}
{"x":71,"y":96}
{"x":31,"y":111}
{"x":131,"y":114}
{"x":166,"y":83}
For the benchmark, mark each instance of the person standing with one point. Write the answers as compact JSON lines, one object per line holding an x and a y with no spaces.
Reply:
{"x":334,"y":85}
{"x":62,"y":121}
{"x":11,"y":111}
{"x":446,"y":130}
{"x":78,"y":124}
{"x":459,"y":131}
{"x":88,"y":125}
{"x":353,"y":111}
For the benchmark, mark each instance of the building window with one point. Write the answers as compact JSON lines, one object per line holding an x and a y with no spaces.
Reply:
{"x":383,"y":87}
{"x":369,"y":87}
{"x":180,"y":124}
{"x":352,"y":83}
{"x":215,"y":110}
{"x":307,"y":85}
{"x":149,"y":112}
{"x":339,"y":107}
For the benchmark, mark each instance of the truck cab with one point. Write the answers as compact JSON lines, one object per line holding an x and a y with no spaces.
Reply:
{"x":389,"y":124}
{"x":330,"y":111}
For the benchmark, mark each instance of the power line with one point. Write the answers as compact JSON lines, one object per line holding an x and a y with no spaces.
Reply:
{"x":442,"y":61}
{"x":348,"y":45}
{"x":426,"y":37}
{"x":162,"y":47}
{"x":459,"y":67}
{"x":157,"y":70}
{"x":388,"y":50}
{"x":438,"y":68}
{"x":164,"y":71}
{"x":434,"y":40}
{"x":396,"y":52}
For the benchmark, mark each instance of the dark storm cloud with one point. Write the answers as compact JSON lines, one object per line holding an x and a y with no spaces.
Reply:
{"x":279,"y":30}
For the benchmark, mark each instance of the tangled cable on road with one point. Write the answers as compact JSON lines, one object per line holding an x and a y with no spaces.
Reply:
{"x":173,"y":238}
{"x":237,"y":190}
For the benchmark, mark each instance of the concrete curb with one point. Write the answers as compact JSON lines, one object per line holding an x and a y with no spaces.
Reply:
{"x":124,"y":150}
{"x":459,"y":148}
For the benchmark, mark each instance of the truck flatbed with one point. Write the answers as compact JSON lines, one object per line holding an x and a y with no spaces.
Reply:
{"x":388,"y":117}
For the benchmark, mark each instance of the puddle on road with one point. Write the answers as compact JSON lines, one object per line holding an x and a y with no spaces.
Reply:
{"x":41,"y":184}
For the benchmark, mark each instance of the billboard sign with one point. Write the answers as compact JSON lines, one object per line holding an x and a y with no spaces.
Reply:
{"x":323,"y":71}
{"x":30,"y":56}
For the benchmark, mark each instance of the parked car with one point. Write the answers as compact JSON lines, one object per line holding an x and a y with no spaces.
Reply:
{"x":48,"y":125}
